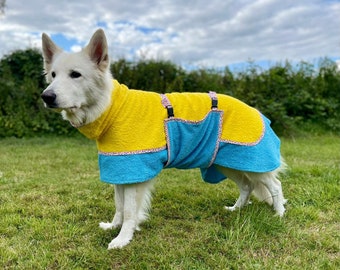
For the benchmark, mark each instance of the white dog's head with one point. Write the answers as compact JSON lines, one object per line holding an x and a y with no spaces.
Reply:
{"x":80,"y":83}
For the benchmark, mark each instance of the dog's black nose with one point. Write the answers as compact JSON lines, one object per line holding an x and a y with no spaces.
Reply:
{"x":49,"y":97}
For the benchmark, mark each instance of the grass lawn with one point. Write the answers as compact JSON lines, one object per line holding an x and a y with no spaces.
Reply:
{"x":51,"y":203}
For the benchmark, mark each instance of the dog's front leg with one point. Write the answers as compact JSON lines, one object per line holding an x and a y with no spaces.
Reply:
{"x":119,"y":205}
{"x":130,"y":216}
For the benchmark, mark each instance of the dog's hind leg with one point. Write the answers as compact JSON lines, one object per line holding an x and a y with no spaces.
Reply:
{"x":130,"y":217}
{"x":244,"y":184}
{"x":119,"y":204}
{"x":273,"y":185}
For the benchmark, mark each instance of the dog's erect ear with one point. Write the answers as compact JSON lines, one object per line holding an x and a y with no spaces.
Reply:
{"x":98,"y":50}
{"x":49,"y":51}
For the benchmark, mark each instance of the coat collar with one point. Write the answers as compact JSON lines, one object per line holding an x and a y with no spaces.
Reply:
{"x":97,"y":128}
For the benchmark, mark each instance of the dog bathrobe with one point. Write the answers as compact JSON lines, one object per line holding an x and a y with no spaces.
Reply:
{"x":143,"y":132}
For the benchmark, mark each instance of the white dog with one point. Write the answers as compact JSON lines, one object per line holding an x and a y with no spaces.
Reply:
{"x":139,"y":133}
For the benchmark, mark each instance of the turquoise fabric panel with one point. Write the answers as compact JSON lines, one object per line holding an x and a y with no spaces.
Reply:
{"x":131,"y":168}
{"x":192,"y":144}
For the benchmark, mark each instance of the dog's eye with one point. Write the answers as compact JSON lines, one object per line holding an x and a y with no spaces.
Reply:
{"x":75,"y":74}
{"x":53,"y":74}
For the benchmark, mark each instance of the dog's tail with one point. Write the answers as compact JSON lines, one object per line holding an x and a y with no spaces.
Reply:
{"x":261,"y":192}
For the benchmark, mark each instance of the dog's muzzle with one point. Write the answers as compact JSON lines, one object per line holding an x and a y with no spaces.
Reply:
{"x":49,"y":97}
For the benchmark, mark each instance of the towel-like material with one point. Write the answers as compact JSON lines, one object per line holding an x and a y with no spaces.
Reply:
{"x":136,"y":139}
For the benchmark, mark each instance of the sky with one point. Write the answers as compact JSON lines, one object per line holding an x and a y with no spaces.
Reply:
{"x":190,"y":33}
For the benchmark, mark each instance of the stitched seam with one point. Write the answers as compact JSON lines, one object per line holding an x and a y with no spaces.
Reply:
{"x":136,"y":152}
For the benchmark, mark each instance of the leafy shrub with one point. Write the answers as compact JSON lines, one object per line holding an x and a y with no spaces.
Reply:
{"x":289,"y":96}
{"x":21,"y":109}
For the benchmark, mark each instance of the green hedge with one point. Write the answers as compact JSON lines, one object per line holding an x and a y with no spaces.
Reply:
{"x":289,"y":95}
{"x":21,"y":110}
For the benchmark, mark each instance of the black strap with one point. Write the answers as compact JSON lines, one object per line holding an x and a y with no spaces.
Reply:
{"x":166,"y":103}
{"x":214,"y":101}
{"x":170,"y":110}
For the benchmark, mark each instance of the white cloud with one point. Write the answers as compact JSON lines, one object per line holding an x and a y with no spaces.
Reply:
{"x":338,"y":64}
{"x":76,"y":48}
{"x":214,"y":33}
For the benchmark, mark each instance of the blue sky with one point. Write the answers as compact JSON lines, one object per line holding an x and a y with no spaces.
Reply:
{"x":190,"y":33}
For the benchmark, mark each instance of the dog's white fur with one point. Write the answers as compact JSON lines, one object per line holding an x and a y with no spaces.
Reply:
{"x":80,"y":88}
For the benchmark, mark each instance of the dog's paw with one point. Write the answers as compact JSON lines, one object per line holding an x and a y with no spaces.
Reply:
{"x":119,"y":242}
{"x":236,"y":206}
{"x":280,"y":212}
{"x":278,"y":215}
{"x":230,"y":208}
{"x":106,"y":225}
{"x":110,"y":225}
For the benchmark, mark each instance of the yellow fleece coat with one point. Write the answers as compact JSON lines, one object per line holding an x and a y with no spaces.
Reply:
{"x":136,"y":139}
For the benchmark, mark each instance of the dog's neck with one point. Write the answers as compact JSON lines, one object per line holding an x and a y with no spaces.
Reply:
{"x":87,"y":114}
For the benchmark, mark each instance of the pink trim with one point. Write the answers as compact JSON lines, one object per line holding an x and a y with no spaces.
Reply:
{"x":196,"y":123}
{"x":132,"y":152}
{"x":217,"y":146}
{"x":213,"y":95}
{"x":165,"y":101}
{"x":167,"y":140}
{"x":191,"y":121}
{"x":214,"y":100}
